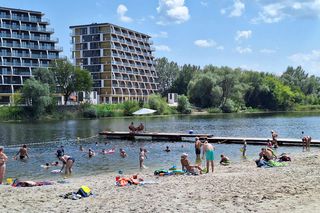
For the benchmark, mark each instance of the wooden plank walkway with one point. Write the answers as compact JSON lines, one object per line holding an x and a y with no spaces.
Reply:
{"x":153,"y":135}
{"x":260,"y":141}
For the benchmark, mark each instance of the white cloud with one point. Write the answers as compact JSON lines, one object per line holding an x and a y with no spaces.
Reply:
{"x":279,"y":10}
{"x":238,"y":8}
{"x":208,"y":43}
{"x":164,"y":48}
{"x":267,"y":51}
{"x":243,"y":50}
{"x":204,"y":3}
{"x":121,"y":11}
{"x":244,"y":34}
{"x":223,"y":11}
{"x":205,"y":43}
{"x":161,"y":34}
{"x":172,"y":11}
{"x":220,"y":47}
{"x":309,"y":61}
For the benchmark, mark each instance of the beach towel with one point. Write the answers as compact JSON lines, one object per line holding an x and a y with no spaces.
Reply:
{"x":17,"y":183}
{"x":273,"y":163}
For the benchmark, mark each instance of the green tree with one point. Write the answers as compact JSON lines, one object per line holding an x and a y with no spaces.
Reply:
{"x":70,"y":79}
{"x":36,"y":96}
{"x":180,"y":85}
{"x":203,"y":91}
{"x":167,"y":73}
{"x":45,"y":76}
{"x":184,"y":106}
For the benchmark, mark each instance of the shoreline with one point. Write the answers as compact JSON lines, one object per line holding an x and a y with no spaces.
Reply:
{"x":241,"y":187}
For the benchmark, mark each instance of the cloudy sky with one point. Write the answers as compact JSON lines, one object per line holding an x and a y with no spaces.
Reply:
{"x":265,"y":35}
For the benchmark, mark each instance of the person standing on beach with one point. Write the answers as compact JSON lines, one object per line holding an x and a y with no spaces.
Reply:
{"x":197,"y":147}
{"x":3,"y":160}
{"x":23,"y":153}
{"x":208,"y":150}
{"x":142,"y":156}
{"x":244,"y":148}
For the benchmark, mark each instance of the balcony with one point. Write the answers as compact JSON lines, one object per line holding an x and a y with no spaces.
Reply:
{"x":17,"y":27}
{"x":28,"y":19}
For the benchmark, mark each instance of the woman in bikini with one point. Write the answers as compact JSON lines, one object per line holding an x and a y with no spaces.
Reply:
{"x":3,"y":160}
{"x":67,"y":162}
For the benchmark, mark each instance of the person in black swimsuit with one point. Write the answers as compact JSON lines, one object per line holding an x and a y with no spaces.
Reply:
{"x":197,"y":147}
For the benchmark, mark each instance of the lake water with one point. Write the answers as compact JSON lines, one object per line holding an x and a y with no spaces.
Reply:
{"x":51,"y":135}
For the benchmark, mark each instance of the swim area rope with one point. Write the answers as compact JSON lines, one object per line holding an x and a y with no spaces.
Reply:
{"x":51,"y":142}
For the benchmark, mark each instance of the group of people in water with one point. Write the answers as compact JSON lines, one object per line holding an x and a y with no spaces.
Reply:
{"x":203,"y":150}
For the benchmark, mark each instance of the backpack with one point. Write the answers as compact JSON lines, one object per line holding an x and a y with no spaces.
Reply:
{"x":84,"y":191}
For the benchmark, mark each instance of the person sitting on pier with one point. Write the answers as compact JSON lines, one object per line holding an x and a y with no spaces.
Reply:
{"x":140,"y":128}
{"x":225,"y":161}
{"x":132,"y":128}
{"x":186,"y":166}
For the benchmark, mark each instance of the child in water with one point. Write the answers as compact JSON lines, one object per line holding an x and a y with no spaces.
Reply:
{"x":123,"y":153}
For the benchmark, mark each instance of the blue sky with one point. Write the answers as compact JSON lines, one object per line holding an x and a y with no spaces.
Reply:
{"x":264,"y":35}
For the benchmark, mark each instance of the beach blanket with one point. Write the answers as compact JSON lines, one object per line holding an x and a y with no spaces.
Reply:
{"x":273,"y":163}
{"x":17,"y":183}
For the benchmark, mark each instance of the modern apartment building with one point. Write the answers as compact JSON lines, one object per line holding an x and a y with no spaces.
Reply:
{"x":25,"y":44}
{"x":119,"y":59}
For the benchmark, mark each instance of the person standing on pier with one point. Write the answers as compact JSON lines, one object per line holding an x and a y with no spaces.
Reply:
{"x":197,"y":147}
{"x":208,"y":150}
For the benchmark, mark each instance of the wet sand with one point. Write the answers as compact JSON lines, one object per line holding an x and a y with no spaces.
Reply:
{"x":241,"y":187}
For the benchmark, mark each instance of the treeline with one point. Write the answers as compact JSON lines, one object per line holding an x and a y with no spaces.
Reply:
{"x":231,"y":90}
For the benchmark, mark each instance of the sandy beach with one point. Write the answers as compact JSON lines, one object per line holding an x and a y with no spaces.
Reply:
{"x":241,"y":187}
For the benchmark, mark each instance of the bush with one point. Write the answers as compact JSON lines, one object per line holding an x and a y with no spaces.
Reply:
{"x":229,"y":106}
{"x":183,"y":105}
{"x":129,"y":107}
{"x":214,"y":110}
{"x":156,"y":102}
{"x":90,"y":113}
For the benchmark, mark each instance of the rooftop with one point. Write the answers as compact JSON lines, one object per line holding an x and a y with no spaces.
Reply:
{"x":20,"y":10}
{"x":103,"y":24}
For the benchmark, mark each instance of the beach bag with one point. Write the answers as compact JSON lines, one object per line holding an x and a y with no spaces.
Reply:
{"x":84,"y":191}
{"x":160,"y":171}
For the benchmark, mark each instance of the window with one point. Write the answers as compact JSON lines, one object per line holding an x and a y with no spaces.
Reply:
{"x":94,"y":30}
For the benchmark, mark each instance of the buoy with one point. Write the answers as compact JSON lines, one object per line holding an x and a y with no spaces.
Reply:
{"x":190,"y":131}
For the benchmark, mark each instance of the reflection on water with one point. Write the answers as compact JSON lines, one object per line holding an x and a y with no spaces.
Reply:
{"x":65,"y":133}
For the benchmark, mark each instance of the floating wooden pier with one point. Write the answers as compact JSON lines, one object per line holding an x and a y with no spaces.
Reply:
{"x":153,"y":135}
{"x":260,"y":141}
{"x":210,"y":138}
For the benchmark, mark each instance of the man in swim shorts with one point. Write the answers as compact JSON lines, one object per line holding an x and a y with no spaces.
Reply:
{"x":23,"y":152}
{"x":197,"y":147}
{"x":208,"y":150}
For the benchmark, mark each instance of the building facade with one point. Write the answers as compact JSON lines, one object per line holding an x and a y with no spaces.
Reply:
{"x":119,"y":59}
{"x":25,"y":44}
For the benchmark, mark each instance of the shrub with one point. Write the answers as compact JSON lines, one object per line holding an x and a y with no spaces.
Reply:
{"x":183,"y":105}
{"x":129,"y":107}
{"x":229,"y":106}
{"x":90,"y":113}
{"x":156,"y":102}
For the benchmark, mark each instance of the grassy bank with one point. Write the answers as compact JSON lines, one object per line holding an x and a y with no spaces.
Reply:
{"x":17,"y":113}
